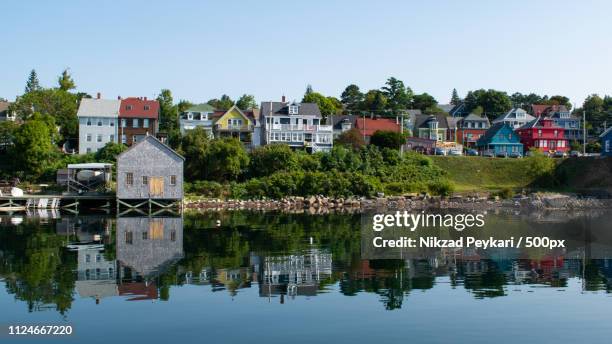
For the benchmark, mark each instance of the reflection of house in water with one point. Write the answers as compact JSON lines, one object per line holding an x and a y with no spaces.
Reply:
{"x":84,"y":229}
{"x":149,"y":245}
{"x":233,"y":279}
{"x":295,"y":274}
{"x":146,"y":247}
{"x":96,"y":276}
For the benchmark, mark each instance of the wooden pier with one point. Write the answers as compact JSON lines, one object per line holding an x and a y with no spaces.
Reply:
{"x":71,"y":203}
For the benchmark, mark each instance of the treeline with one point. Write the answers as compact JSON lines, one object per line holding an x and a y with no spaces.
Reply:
{"x":223,"y":168}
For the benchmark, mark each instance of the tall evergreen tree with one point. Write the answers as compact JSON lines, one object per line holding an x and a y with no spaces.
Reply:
{"x":455,"y":100}
{"x":352,"y":97}
{"x":65,"y":81}
{"x":308,"y":90}
{"x":32,"y":84}
{"x":398,"y":96}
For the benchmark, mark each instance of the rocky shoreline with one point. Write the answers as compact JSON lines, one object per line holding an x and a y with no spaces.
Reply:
{"x":322,"y":204}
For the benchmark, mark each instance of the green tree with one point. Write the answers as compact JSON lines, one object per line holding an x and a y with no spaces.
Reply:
{"x":387,"y":139}
{"x":33,"y":152}
{"x":308,"y":90}
{"x":374,"y":101}
{"x":327,"y":106}
{"x":227,"y":160}
{"x":168,"y":112}
{"x":352,"y":98}
{"x":7,"y":134}
{"x":493,"y":102}
{"x":351,"y":138}
{"x":225,"y":103}
{"x":398,"y":95}
{"x":32,"y":84}
{"x":268,"y":159}
{"x":109,"y":152}
{"x":194,"y":147}
{"x":455,"y":100}
{"x":65,"y":81}
{"x":246,"y":102}
{"x":423,"y":102}
{"x":59,"y":104}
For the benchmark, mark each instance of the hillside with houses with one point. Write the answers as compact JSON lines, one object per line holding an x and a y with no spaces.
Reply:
{"x":379,"y":138}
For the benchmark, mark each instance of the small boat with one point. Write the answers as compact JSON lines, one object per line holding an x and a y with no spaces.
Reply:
{"x":86,"y":175}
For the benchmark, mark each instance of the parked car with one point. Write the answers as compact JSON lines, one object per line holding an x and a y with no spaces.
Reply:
{"x":488,"y":154}
{"x":560,"y":154}
{"x":439,"y":151}
{"x":575,"y":154}
{"x":455,"y":152}
{"x":501,"y":155}
{"x":516,"y":155}
{"x":471,"y":152}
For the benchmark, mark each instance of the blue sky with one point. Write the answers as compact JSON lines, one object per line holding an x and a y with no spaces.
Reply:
{"x":202,"y":49}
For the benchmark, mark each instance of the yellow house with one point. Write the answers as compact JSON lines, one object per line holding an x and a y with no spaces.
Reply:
{"x":233,"y":119}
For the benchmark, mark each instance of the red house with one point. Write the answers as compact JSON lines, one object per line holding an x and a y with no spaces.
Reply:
{"x":543,"y":134}
{"x":138,"y":117}
{"x":368,"y":126}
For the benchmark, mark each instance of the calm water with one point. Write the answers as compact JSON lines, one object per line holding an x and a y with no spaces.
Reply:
{"x":298,"y":278}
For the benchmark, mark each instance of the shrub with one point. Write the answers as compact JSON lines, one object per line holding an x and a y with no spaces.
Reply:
{"x":205,"y":188}
{"x":441,"y":188}
{"x":388,"y":139}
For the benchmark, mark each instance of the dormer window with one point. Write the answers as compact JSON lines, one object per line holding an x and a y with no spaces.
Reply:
{"x":190,"y":116}
{"x":128,"y":107}
{"x":147,"y":107}
{"x":293,"y":109}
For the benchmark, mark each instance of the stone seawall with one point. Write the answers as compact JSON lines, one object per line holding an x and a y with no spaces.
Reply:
{"x":321,"y":204}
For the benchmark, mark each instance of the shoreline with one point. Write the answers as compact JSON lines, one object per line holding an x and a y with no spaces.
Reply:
{"x":322,"y":204}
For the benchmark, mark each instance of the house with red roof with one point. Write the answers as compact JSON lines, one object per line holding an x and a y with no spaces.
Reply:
{"x":544,"y":135}
{"x":368,"y":126}
{"x":138,"y":117}
{"x":562,"y":117}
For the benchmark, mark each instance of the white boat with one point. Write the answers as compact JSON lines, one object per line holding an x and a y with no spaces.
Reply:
{"x":85,"y":175}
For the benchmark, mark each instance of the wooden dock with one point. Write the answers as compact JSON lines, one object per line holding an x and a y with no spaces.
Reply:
{"x":67,"y":202}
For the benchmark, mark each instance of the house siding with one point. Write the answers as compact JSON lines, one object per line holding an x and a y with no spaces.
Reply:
{"x":150,"y":160}
{"x":107,"y":133}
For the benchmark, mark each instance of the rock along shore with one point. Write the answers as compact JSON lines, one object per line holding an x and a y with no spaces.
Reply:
{"x":322,"y":204}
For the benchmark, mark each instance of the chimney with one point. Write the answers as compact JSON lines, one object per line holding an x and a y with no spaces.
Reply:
{"x":118,"y":97}
{"x":145,"y":98}
{"x":98,"y":95}
{"x":283,"y":98}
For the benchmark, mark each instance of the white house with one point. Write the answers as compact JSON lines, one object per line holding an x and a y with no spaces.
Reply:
{"x":98,"y":121}
{"x":516,"y":118}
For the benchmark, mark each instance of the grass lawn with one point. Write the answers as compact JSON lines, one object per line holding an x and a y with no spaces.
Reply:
{"x":478,"y":173}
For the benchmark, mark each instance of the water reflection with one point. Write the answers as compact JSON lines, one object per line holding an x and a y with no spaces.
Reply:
{"x":49,"y":264}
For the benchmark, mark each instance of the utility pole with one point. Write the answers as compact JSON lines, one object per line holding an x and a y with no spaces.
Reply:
{"x":402,"y":134}
{"x":583,"y":132}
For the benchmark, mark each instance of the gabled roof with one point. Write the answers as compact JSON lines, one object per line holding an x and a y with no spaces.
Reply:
{"x":282,"y":108}
{"x":537,"y":123}
{"x":421,"y":121}
{"x":133,"y":107}
{"x":153,"y":140}
{"x":337,"y":120}
{"x":489,"y":134}
{"x":4,"y":106}
{"x":220,"y":114}
{"x":475,"y":118}
{"x":544,"y":109}
{"x":446,"y":107}
{"x":368,"y":126}
{"x":93,"y":107}
{"x":511,"y":114}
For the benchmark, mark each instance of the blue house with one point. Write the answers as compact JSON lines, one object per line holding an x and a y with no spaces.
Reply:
{"x":606,"y":142}
{"x":500,"y":139}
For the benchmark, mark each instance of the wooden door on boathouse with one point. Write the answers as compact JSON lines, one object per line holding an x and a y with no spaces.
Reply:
{"x":156,"y":186}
